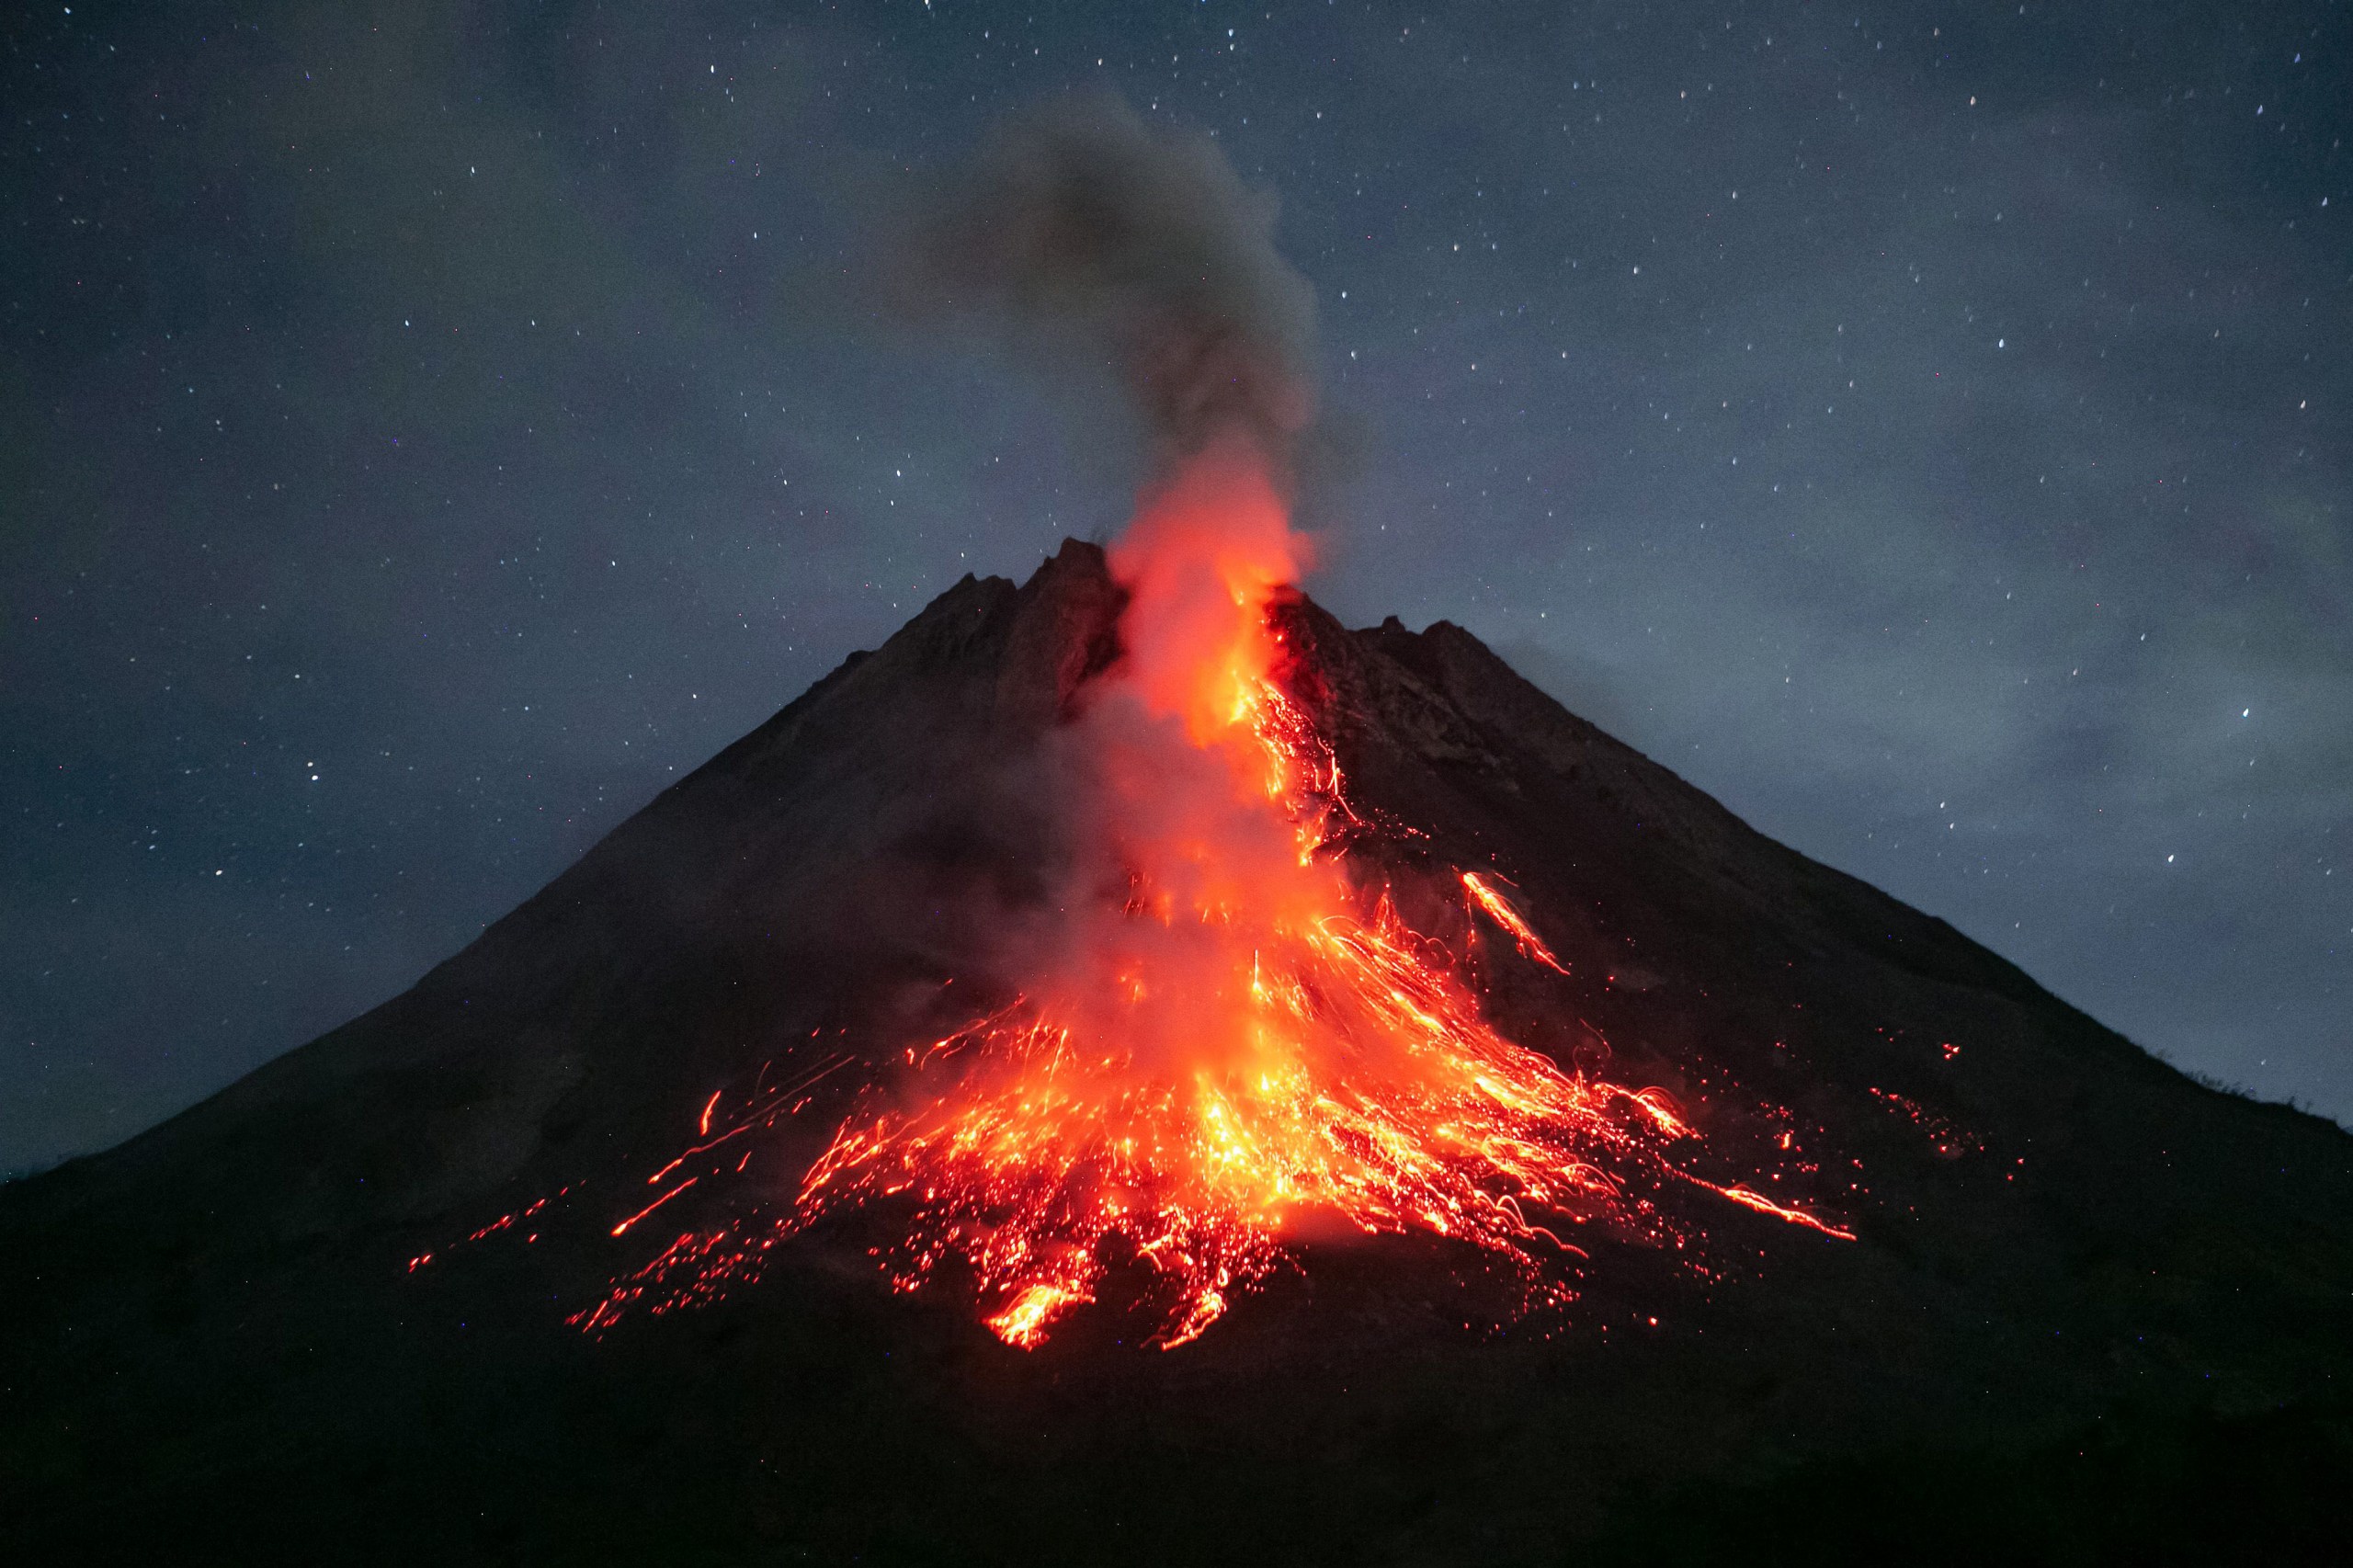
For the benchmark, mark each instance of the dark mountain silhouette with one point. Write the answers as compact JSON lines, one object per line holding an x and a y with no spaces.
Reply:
{"x":2096,"y":1311}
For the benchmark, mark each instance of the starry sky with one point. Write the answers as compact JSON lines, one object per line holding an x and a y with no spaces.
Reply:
{"x":428,"y":430}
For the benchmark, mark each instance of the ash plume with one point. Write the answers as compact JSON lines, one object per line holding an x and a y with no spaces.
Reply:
{"x":1088,"y":229}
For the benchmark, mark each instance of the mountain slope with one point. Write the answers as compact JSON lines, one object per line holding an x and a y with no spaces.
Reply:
{"x":220,"y":1345}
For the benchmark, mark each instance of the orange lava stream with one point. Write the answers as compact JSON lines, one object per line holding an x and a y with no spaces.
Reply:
{"x":1529,"y":943}
{"x":1749,"y":1197}
{"x":1377,"y":1095}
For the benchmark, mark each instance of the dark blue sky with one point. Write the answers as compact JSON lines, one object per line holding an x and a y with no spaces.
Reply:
{"x":427,"y":431}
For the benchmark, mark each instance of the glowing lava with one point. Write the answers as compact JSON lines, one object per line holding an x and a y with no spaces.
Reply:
{"x":1227,"y":1041}
{"x":1497,"y":909}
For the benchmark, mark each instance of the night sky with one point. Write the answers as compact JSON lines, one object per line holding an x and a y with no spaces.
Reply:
{"x":426,"y":431}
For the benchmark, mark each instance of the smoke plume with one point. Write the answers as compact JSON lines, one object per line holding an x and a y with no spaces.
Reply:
{"x":1086,"y":227}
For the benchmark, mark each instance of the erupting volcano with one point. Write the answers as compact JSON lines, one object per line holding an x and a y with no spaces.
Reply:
{"x":1606,"y":1181}
{"x":1222,"y":1030}
{"x":1224,"y":1033}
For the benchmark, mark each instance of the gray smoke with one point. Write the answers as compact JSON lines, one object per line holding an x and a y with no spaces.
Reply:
{"x":1079,"y":222}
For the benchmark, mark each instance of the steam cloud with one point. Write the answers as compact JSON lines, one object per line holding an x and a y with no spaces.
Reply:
{"x":1078,"y":218}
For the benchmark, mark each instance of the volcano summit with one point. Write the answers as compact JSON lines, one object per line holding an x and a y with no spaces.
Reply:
{"x":1508,"y":1315}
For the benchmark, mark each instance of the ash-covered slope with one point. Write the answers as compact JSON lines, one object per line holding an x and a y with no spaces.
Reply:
{"x":218,"y":1347}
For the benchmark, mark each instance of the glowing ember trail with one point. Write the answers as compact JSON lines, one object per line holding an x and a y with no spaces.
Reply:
{"x":1748,"y":1198}
{"x":1232,"y":1040}
{"x":1530,"y":944}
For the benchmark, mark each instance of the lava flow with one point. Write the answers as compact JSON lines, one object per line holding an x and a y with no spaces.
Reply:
{"x":1225,"y":1042}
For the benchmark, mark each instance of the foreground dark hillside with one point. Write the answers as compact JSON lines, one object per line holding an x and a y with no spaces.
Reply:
{"x":2096,"y":1311}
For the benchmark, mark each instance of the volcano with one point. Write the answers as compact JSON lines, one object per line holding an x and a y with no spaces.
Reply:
{"x":1839,"y":1238}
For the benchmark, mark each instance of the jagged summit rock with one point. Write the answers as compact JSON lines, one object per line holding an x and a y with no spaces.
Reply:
{"x":218,"y":1347}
